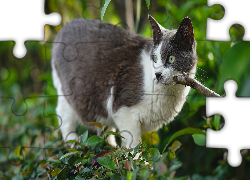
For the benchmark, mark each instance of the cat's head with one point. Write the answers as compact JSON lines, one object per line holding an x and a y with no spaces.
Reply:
{"x":174,"y":51}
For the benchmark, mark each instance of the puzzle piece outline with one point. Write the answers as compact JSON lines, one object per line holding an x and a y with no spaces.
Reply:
{"x":219,"y":29}
{"x":19,"y":48}
{"x":225,"y":136}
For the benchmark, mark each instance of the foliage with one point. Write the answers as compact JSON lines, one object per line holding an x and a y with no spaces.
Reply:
{"x":94,"y":158}
{"x":31,"y":144}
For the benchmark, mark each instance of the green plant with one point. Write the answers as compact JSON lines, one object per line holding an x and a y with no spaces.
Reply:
{"x":94,"y":158}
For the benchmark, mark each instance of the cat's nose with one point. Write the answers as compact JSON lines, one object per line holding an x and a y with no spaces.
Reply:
{"x":158,"y":75}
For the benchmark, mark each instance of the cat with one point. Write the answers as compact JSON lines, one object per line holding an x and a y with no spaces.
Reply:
{"x":105,"y":74}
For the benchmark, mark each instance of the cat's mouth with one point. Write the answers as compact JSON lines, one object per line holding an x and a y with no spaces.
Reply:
{"x":166,"y":80}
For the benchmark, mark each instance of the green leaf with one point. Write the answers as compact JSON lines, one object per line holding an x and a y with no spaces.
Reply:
{"x":175,"y":165}
{"x":145,"y":174}
{"x":84,"y":161}
{"x":94,"y":140}
{"x":217,"y":122}
{"x":137,"y":148}
{"x":72,"y":141}
{"x":155,"y":154}
{"x":107,"y":162}
{"x":115,"y":176}
{"x":199,"y":139}
{"x":85,"y":170}
{"x":55,"y":172}
{"x":105,"y":128}
{"x":176,"y":145}
{"x":104,"y":8}
{"x":136,"y":169}
{"x":171,"y":156}
{"x":129,"y":175}
{"x":17,"y":151}
{"x":62,"y":174}
{"x":78,"y":177}
{"x":101,"y":154}
{"x":114,"y":133}
{"x":42,"y":161}
{"x":72,"y":150}
{"x":60,"y":155}
{"x":54,"y":161}
{"x":185,"y":131}
{"x":144,"y":143}
{"x":84,"y":138}
{"x":151,"y":137}
{"x":69,"y":154}
{"x":88,"y":154}
{"x":129,"y":150}
{"x":234,"y":62}
{"x":148,"y":3}
{"x":164,"y":156}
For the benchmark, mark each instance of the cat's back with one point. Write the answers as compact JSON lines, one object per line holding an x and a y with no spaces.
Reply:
{"x":90,"y":31}
{"x":93,"y":57}
{"x":83,"y":39}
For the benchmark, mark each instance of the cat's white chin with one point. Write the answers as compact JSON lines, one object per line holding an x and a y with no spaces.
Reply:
{"x":166,"y":82}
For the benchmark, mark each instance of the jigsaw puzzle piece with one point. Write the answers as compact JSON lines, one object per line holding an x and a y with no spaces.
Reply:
{"x":237,"y":70}
{"x":71,"y":48}
{"x":29,"y":21}
{"x":205,"y":57}
{"x":182,"y":112}
{"x":92,"y":9}
{"x":234,"y":135}
{"x":22,"y":78}
{"x":24,"y":141}
{"x":223,"y":55}
{"x":235,"y":13}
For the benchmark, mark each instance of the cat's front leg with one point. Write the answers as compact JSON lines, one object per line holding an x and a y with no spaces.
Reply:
{"x":127,"y":121}
{"x":129,"y":126}
{"x":66,"y":119}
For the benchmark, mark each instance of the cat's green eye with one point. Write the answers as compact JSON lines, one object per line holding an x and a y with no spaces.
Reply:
{"x":171,"y":59}
{"x":155,"y":58}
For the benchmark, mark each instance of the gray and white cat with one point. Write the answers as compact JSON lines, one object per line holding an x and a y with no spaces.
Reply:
{"x":104,"y":74}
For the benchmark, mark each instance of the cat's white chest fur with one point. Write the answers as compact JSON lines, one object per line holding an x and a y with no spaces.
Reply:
{"x":160,"y":104}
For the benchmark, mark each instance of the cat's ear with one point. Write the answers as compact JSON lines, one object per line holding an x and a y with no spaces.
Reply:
{"x":157,"y":28}
{"x":185,"y":33}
